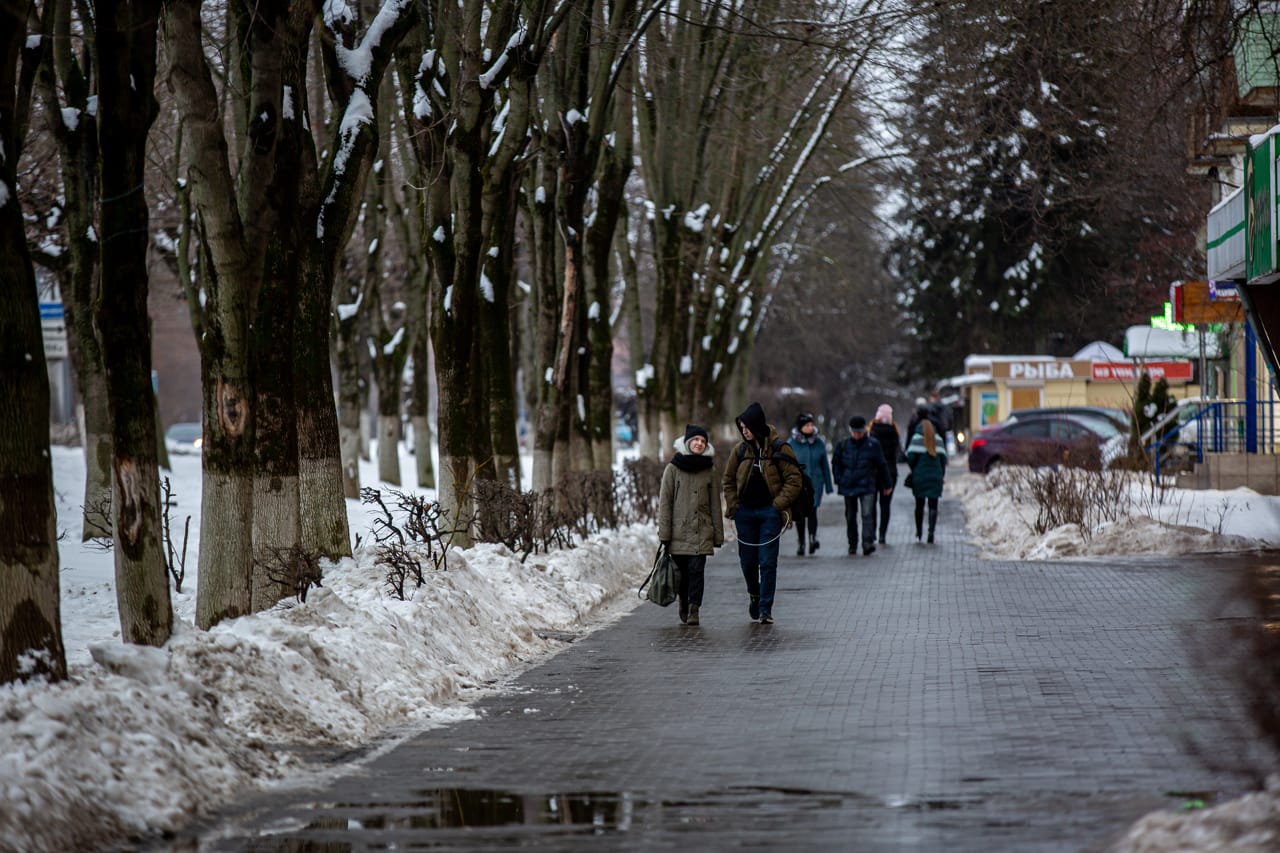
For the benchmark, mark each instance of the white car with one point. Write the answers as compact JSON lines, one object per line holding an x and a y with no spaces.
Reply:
{"x":184,"y":438}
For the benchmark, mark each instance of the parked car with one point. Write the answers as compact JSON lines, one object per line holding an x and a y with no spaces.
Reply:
{"x":1048,"y":438}
{"x":1119,"y":417}
{"x":184,"y":438}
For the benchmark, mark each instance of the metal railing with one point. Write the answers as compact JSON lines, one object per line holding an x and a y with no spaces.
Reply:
{"x":1213,"y":426}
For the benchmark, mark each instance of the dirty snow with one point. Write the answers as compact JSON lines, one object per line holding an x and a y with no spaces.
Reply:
{"x":141,"y":740}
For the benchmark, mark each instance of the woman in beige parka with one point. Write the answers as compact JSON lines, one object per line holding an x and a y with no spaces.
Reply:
{"x":689,"y":522}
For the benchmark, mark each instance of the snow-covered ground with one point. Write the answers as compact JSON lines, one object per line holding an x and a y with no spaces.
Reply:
{"x":142,"y":740}
{"x":1142,"y":520}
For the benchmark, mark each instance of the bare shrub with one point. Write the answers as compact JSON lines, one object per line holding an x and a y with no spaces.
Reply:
{"x":587,"y":501}
{"x":294,"y":569}
{"x":98,"y":514}
{"x":175,"y":559}
{"x":408,"y":529}
{"x":1062,"y":496}
{"x":525,"y":522}
{"x":640,"y":482}
{"x":401,"y":567}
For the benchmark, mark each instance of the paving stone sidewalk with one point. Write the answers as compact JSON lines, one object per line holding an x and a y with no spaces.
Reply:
{"x":921,"y":698}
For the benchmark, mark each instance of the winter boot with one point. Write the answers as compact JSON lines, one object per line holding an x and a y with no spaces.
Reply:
{"x":693,"y":614}
{"x":813,"y":544}
{"x":684,"y":610}
{"x":800,"y":547}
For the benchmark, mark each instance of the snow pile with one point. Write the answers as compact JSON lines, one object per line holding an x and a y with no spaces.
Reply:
{"x":140,"y":740}
{"x":1250,"y":824}
{"x":1167,"y":521}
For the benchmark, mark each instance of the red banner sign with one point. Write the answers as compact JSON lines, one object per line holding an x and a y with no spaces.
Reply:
{"x":1125,"y":371}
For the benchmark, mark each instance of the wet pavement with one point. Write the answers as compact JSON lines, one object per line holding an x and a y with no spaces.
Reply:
{"x":921,"y":698}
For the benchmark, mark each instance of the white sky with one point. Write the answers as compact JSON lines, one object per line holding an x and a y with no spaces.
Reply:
{"x":140,"y":740}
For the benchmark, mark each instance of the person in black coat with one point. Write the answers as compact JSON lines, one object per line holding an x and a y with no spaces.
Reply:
{"x":885,"y":431}
{"x":858,"y":467}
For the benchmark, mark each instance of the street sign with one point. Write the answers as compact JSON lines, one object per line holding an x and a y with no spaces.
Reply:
{"x":53,"y":324}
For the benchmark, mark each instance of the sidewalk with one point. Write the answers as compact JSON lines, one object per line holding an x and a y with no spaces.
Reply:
{"x":917,"y":699}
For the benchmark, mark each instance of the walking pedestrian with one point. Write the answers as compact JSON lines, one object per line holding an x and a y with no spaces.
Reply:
{"x":927,"y":458}
{"x":689,"y":522}
{"x":860,"y":474}
{"x":761,"y":479}
{"x":811,"y":451}
{"x":885,"y":431}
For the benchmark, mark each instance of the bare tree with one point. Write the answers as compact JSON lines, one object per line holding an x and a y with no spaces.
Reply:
{"x":467,"y":84}
{"x":731,"y":111}
{"x":126,"y":53}
{"x":30,"y":629}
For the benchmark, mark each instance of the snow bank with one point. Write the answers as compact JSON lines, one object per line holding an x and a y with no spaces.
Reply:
{"x":141,"y":740}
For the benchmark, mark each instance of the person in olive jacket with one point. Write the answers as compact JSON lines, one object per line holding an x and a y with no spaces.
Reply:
{"x":761,"y":480}
{"x":689,"y":522}
{"x":860,"y":473}
{"x":928,"y":460}
{"x":885,"y":431}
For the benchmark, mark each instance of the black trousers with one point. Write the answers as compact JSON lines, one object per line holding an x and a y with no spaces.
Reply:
{"x":886,"y":501}
{"x":933,"y":514}
{"x":809,"y":522}
{"x":693,"y":573}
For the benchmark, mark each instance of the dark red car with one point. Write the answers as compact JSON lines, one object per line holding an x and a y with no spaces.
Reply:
{"x":1047,"y":438}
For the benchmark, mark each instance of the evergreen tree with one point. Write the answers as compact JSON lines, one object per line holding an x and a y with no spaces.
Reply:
{"x":1021,"y":230}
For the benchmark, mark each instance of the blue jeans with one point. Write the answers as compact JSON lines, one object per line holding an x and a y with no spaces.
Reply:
{"x":759,"y":561}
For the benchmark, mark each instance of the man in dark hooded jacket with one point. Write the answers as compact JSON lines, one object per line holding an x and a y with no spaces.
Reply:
{"x":761,"y":479}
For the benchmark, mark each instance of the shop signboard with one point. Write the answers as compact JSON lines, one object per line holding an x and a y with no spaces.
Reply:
{"x":1260,"y":210}
{"x":1128,"y":371}
{"x":1040,"y":370}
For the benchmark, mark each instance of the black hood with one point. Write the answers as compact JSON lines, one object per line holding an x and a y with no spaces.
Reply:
{"x":754,"y":420}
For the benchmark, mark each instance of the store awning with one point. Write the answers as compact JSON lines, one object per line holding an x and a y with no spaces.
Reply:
{"x":1150,"y":342}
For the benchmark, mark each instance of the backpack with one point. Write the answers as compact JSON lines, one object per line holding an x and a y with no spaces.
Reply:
{"x":805,"y":503}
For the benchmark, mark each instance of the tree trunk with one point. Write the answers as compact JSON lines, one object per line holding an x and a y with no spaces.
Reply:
{"x":127,"y":107}
{"x":350,"y":380}
{"x":546,"y":407}
{"x":62,"y":77}
{"x":420,"y":389}
{"x":388,"y":445}
{"x":30,"y":633}
{"x":276,"y":524}
{"x":495,"y":342}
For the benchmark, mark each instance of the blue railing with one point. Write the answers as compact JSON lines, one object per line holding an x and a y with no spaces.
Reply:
{"x":1217,"y":426}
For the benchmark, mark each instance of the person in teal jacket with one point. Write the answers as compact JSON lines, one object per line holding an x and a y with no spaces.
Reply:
{"x":927,"y":459}
{"x":811,"y":451}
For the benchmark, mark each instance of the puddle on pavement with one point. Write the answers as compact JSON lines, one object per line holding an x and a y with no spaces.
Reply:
{"x":459,"y":808}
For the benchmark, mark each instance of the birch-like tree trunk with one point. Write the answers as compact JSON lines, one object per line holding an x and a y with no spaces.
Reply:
{"x":30,"y":631}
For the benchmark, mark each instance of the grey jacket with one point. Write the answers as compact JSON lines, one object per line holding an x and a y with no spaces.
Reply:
{"x":689,"y":513}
